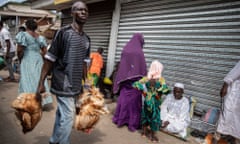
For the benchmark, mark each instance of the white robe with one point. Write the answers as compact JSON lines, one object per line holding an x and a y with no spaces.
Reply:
{"x":229,"y":123}
{"x":176,"y":112}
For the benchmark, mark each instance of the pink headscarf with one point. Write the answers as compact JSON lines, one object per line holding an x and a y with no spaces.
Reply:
{"x":155,"y":70}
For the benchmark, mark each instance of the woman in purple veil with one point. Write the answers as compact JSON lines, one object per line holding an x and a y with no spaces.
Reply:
{"x":132,"y":67}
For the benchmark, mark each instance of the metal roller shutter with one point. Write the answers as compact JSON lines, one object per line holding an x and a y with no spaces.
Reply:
{"x":97,"y":27}
{"x":66,"y":19}
{"x":198,"y":41}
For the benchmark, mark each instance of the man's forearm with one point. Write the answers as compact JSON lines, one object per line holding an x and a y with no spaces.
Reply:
{"x":8,"y":47}
{"x":45,"y":70}
{"x":223,"y":91}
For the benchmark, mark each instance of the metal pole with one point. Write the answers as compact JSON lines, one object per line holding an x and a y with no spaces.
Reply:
{"x":113,"y":38}
{"x":16,"y":25}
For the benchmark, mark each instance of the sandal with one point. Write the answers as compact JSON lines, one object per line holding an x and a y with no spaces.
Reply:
{"x":10,"y":80}
{"x":7,"y":78}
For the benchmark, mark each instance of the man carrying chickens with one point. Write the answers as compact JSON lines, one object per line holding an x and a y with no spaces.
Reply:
{"x":69,"y":48}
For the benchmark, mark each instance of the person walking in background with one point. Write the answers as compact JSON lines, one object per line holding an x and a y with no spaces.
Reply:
{"x":21,"y":29}
{"x":112,"y":78}
{"x":2,"y":64}
{"x":132,"y":67}
{"x":65,"y":58}
{"x":152,"y":88}
{"x":96,"y":65}
{"x":9,"y":50}
{"x":229,"y":121}
{"x":29,"y":45}
{"x":175,"y":114}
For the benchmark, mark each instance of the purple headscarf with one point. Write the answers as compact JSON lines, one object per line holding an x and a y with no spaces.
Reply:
{"x":132,"y":64}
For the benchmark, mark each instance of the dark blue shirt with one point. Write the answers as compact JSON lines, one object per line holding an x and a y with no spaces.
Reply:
{"x":68,"y":51}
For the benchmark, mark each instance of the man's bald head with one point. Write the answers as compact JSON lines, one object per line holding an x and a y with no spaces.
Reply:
{"x":79,"y":12}
{"x":76,"y":5}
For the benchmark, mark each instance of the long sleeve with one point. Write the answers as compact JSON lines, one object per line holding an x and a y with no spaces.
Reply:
{"x":233,"y":75}
{"x":140,"y":84}
{"x":178,"y":116}
{"x":164,"y":108}
{"x":184,"y":113}
{"x":175,"y":111}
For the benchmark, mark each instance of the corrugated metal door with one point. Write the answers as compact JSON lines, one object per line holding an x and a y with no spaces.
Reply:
{"x":198,"y":41}
{"x":97,"y":27}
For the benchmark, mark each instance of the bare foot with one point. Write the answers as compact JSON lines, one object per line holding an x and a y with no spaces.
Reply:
{"x":154,"y":139}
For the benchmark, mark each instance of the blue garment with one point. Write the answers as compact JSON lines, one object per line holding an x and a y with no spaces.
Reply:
{"x":64,"y":120}
{"x":31,"y":64}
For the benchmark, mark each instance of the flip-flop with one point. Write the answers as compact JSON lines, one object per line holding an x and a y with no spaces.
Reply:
{"x":11,"y":80}
{"x":7,"y":78}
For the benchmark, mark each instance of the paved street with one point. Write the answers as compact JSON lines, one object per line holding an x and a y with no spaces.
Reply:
{"x":104,"y":133}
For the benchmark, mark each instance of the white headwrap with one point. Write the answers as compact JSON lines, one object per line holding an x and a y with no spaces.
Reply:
{"x":179,"y":85}
{"x":155,"y":70}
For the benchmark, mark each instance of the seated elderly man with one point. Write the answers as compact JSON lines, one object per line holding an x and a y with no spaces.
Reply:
{"x":175,"y":114}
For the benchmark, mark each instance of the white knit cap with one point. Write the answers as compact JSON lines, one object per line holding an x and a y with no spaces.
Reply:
{"x":179,"y":85}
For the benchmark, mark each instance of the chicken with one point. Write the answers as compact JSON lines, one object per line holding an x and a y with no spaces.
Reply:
{"x":91,"y":108}
{"x":28,"y":111}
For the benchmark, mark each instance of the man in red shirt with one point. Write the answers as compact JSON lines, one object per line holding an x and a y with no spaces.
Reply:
{"x":96,"y":65}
